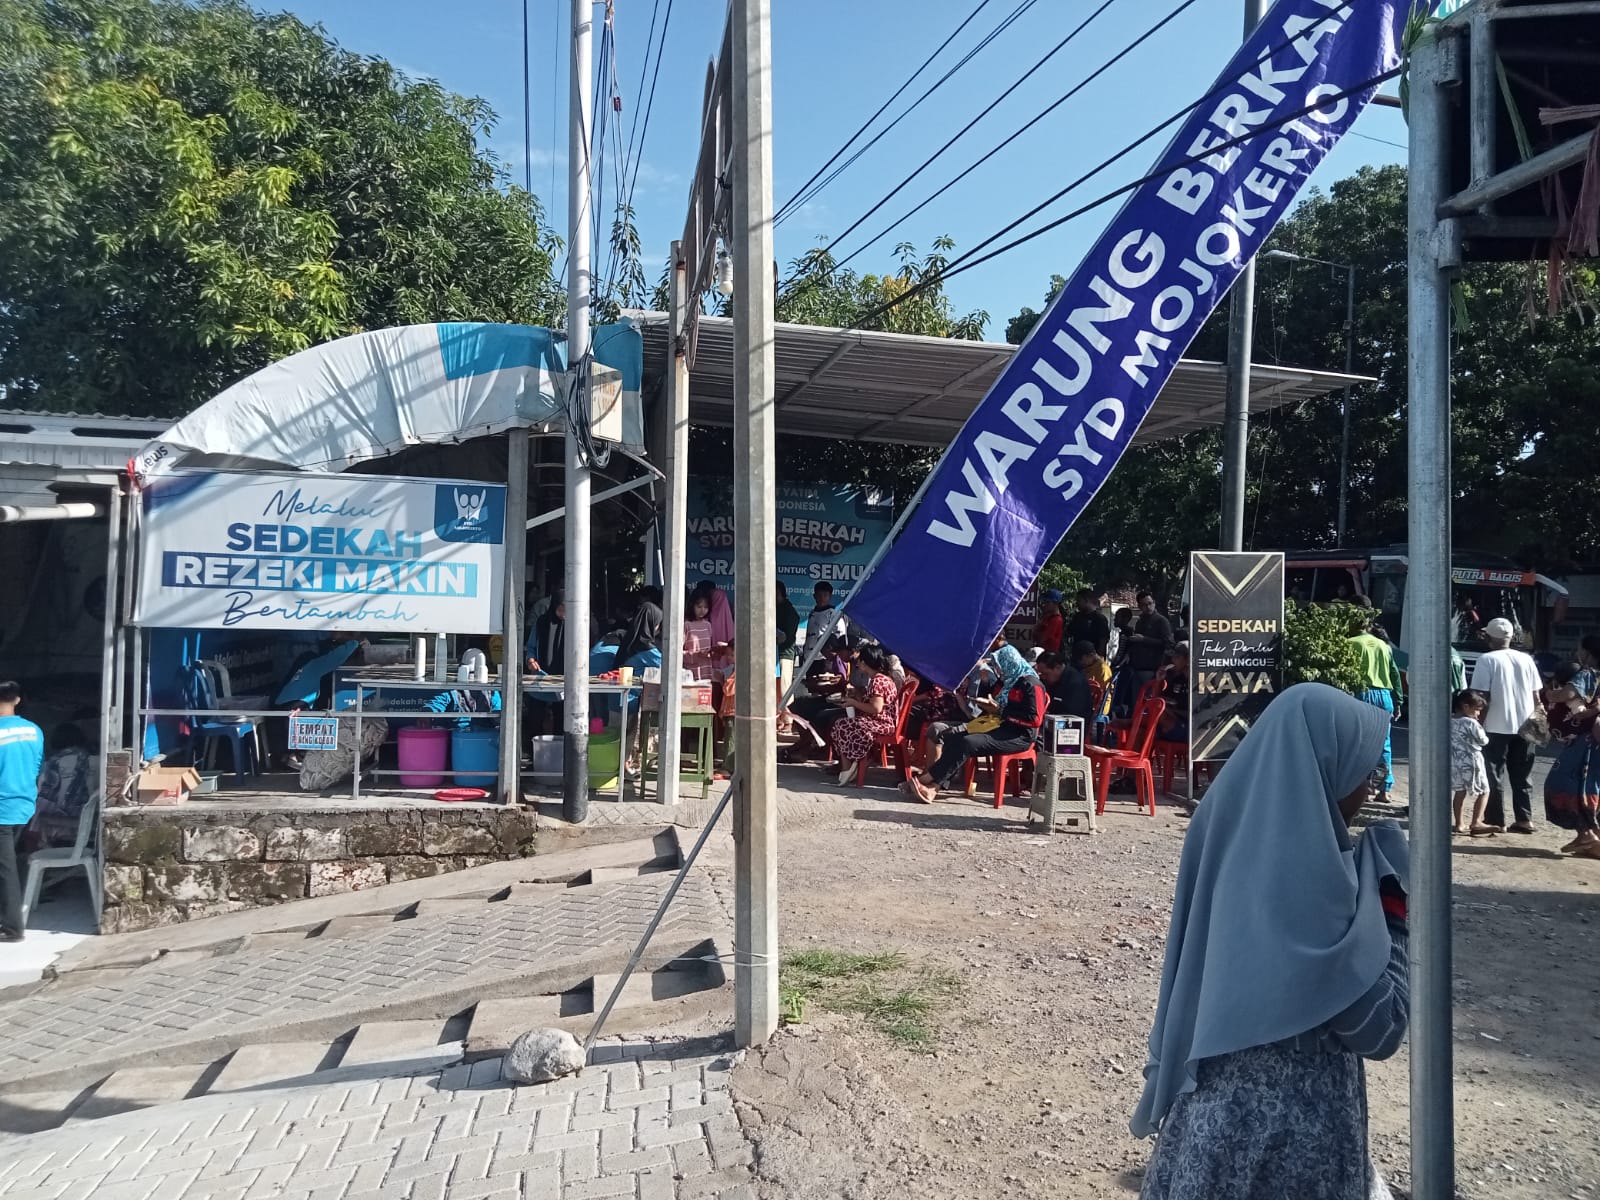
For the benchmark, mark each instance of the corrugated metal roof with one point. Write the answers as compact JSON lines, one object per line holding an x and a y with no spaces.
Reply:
{"x":74,"y":441}
{"x":891,"y":387}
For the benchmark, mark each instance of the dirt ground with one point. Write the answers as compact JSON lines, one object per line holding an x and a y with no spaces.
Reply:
{"x":1059,"y":943}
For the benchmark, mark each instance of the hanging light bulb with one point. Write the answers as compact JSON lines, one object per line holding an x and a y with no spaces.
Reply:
{"x":724,"y":273}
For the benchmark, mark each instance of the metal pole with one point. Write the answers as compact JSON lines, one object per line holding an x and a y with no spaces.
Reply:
{"x":1428,"y":603}
{"x":110,"y":702}
{"x":580,"y":219}
{"x":132,"y":549}
{"x":527,"y":108}
{"x":755,"y":828}
{"x":1483,"y":84}
{"x":1344,"y":414}
{"x":510,"y":780}
{"x":1241,"y":336}
{"x":676,"y":463}
{"x":736,"y":779}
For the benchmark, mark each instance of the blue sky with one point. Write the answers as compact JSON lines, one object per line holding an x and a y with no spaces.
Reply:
{"x":835,"y":62}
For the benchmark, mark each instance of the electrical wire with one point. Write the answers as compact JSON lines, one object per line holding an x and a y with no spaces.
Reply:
{"x":1217,"y":89}
{"x":968,"y":261}
{"x":805,"y":198}
{"x":644,"y":67}
{"x":882,"y":108}
{"x":1381,"y":141}
{"x":984,"y":112}
{"x":555,"y":97}
{"x":649,"y":105}
{"x":1073,"y":91}
{"x":527,"y":107}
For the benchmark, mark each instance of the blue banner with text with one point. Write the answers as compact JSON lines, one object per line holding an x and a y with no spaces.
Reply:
{"x":1061,"y":414}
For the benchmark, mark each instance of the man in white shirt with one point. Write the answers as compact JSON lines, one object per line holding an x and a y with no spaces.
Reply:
{"x":1510,"y":679}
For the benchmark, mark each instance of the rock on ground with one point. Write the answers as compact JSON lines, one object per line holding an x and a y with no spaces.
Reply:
{"x":541,"y":1055}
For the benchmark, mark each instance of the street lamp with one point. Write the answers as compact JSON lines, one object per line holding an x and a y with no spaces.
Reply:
{"x":1349,"y":369}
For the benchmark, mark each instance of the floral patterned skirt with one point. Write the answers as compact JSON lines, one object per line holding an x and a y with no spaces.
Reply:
{"x":1268,"y":1123}
{"x":853,"y":736}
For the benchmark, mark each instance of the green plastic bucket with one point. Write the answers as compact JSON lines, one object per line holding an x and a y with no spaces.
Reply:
{"x":605,"y":760}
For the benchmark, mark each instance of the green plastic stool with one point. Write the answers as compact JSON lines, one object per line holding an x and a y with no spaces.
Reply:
{"x":700,"y":722}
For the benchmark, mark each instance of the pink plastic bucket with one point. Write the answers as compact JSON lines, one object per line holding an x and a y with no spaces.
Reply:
{"x":423,"y":750}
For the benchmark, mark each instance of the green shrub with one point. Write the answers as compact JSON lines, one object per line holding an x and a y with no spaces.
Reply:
{"x":1316,"y":645}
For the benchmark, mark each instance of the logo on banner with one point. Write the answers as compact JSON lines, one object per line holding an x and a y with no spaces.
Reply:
{"x":1236,"y":646}
{"x":468,"y":514}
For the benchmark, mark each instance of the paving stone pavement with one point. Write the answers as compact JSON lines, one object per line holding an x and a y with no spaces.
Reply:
{"x":234,"y":994}
{"x":650,"y":1121}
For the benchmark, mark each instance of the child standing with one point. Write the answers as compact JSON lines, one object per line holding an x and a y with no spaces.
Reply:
{"x":1468,"y":777}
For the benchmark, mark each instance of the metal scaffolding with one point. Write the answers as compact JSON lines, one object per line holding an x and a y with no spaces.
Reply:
{"x":1491,"y":153}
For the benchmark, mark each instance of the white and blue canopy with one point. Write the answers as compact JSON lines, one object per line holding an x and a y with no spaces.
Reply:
{"x":373,"y":394}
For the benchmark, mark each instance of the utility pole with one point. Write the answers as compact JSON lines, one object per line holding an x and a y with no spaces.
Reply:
{"x":1434,"y":66}
{"x":1344,"y":404}
{"x":513,"y":628}
{"x":580,"y":284}
{"x":1349,"y":269}
{"x":755,"y":830}
{"x":1241,"y":337}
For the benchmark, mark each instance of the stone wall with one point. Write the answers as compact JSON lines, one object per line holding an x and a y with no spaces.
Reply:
{"x":166,"y":865}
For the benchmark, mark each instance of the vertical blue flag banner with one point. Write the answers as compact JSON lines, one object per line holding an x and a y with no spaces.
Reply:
{"x":1055,"y":423}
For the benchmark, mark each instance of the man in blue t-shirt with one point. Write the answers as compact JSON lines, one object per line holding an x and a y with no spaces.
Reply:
{"x":21,"y":756}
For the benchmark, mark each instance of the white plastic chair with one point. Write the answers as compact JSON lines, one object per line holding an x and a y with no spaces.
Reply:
{"x":63,"y":858}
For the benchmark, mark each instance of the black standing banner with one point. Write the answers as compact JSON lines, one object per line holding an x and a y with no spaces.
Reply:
{"x":1235,"y":646}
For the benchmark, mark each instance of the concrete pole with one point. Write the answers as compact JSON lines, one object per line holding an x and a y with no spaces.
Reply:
{"x":1428,"y":605}
{"x":110,"y":702}
{"x":1241,"y":338}
{"x":1344,"y":407}
{"x":510,"y":779}
{"x":675,"y":462}
{"x":580,"y":292}
{"x":755,"y":828}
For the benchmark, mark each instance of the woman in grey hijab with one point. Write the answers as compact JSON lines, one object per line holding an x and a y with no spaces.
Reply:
{"x":1285,"y":967}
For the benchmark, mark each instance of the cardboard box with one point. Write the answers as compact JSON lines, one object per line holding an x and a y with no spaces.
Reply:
{"x":1062,"y":735}
{"x":166,"y":785}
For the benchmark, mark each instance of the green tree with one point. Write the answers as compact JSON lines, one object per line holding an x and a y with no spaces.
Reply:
{"x":1317,"y":646}
{"x":820,"y":293}
{"x":1018,"y":328}
{"x":1524,"y":423}
{"x":191,"y":191}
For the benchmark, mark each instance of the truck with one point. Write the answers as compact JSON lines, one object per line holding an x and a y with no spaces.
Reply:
{"x":1483,"y":587}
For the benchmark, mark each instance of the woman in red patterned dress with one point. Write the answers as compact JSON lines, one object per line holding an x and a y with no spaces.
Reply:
{"x":873,"y":711}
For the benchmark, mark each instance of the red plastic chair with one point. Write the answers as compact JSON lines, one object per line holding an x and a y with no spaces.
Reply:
{"x":1135,"y":759}
{"x":1121,"y":728}
{"x":895,"y":742}
{"x":1170,"y":755}
{"x":1002,"y":765}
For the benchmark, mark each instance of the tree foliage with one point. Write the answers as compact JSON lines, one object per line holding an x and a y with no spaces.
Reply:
{"x":1317,"y":646}
{"x":190,"y":191}
{"x":1524,"y":418}
{"x":821,"y":292}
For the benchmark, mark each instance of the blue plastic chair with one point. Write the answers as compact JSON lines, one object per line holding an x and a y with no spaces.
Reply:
{"x":200,"y":695}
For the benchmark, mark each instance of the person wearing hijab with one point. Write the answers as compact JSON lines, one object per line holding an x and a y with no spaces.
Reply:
{"x":721,"y":614}
{"x":1020,"y":704}
{"x":1285,"y":967}
{"x":641,"y":644}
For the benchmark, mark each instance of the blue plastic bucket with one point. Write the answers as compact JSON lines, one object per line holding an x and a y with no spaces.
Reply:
{"x":475,"y":750}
